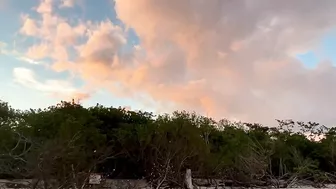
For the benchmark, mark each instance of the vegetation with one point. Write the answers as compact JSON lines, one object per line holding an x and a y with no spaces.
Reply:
{"x":63,"y":144}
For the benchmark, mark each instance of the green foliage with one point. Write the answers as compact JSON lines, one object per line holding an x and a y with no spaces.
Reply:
{"x":57,"y":141}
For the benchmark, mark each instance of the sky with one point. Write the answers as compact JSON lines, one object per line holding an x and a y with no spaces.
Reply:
{"x":253,"y":61}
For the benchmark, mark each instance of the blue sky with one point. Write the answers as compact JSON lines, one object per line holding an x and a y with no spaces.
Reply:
{"x":325,"y":51}
{"x":167,"y":55}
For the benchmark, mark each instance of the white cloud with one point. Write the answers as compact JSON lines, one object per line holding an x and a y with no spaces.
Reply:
{"x":30,"y":61}
{"x":6,"y":50}
{"x":27,"y":78}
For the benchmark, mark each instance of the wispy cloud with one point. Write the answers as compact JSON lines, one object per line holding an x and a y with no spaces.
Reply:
{"x":30,"y":61}
{"x":61,"y":88}
{"x":4,"y":50}
{"x":3,"y":46}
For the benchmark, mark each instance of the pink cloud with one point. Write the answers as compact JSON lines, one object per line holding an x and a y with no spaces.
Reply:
{"x":38,"y":51}
{"x":54,"y":32}
{"x":29,"y":27}
{"x":257,"y":79}
{"x":229,"y":59}
{"x":45,"y":7}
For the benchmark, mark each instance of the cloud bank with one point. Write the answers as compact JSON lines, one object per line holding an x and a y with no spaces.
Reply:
{"x":224,"y":58}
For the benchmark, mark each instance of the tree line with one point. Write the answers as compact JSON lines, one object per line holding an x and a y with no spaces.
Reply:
{"x":67,"y":142}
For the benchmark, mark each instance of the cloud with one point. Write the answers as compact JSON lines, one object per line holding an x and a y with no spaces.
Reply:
{"x":67,"y":3}
{"x":45,"y":7}
{"x":29,"y":27}
{"x":3,"y":47}
{"x":59,"y":88}
{"x":30,"y":61}
{"x":258,"y":79}
{"x":233,"y":59}
{"x":105,"y":40}
{"x":38,"y":51}
{"x":53,"y":34}
{"x":6,"y":49}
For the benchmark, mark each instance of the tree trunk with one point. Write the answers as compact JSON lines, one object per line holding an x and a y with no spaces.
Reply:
{"x":188,"y":179}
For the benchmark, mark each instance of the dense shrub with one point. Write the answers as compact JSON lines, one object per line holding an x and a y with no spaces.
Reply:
{"x":67,"y":138}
